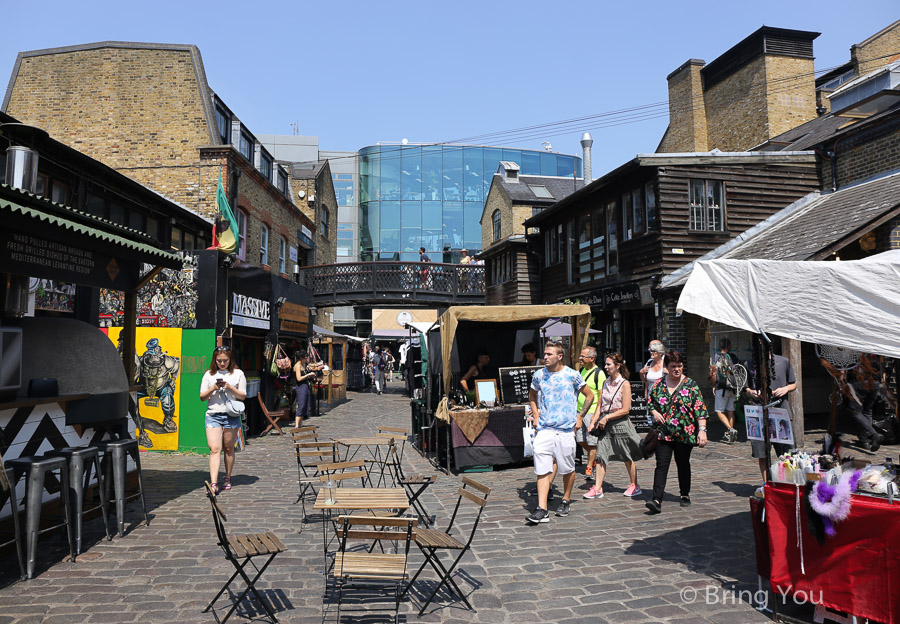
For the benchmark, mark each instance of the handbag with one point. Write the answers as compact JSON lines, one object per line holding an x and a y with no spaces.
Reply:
{"x":282,"y":361}
{"x":648,"y":444}
{"x":528,"y":437}
{"x":234,"y":408}
{"x":597,"y":432}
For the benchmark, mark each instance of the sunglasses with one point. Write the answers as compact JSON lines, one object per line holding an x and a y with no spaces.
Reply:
{"x":223,"y":348}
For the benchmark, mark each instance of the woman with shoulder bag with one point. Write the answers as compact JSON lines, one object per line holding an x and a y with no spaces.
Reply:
{"x":222,"y":385}
{"x":618,"y":439}
{"x":305,"y":373}
{"x":679,"y":416}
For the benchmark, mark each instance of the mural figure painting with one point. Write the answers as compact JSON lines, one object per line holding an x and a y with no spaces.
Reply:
{"x":158,"y":374}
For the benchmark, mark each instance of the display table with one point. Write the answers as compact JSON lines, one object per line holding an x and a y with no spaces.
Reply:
{"x":498,"y":442}
{"x":856,"y":571}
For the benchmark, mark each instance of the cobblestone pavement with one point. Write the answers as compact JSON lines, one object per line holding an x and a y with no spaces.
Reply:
{"x":607,"y":562}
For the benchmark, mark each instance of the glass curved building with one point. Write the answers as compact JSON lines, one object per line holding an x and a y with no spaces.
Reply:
{"x":432,"y":196}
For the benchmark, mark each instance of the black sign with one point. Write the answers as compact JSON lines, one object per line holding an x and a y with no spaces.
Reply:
{"x":515,"y":382}
{"x":39,"y":256}
{"x":621,"y":296}
{"x":638,"y":414}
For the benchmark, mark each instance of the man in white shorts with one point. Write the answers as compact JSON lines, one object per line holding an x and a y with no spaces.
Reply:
{"x":554,"y":408}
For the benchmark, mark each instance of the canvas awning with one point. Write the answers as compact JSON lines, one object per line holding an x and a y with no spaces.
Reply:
{"x":853,"y":304}
{"x":580,"y":316}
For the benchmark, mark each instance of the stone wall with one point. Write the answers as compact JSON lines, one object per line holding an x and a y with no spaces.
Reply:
{"x":791,"y":93}
{"x":497,"y":199}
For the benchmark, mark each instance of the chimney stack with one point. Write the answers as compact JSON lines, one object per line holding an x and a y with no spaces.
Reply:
{"x":586,"y":142}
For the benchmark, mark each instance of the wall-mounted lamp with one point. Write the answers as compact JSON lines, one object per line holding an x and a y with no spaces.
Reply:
{"x":280,"y":301}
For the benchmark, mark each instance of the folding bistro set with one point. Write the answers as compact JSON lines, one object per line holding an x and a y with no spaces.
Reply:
{"x":371,"y":513}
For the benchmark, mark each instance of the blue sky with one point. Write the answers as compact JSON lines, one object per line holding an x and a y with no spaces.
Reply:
{"x":355,"y":73}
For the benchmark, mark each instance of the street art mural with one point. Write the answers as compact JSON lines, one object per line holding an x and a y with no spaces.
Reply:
{"x":168,"y":300}
{"x":157,"y":372}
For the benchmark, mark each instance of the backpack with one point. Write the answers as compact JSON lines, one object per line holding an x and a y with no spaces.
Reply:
{"x":381,"y":364}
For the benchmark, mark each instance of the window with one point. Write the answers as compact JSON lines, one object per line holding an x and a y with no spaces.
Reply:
{"x":652,"y":211}
{"x":223,"y":124}
{"x":637,"y":207}
{"x":177,"y":236}
{"x":282,"y":181}
{"x":263,"y":244}
{"x":188,"y":242}
{"x":540,"y":191}
{"x":707,"y":205}
{"x":282,"y":255}
{"x":152,"y":227}
{"x":598,"y":243}
{"x":323,"y":221}
{"x":612,"y":239}
{"x":343,"y":188}
{"x":627,"y":217}
{"x":265,"y":166}
{"x":581,"y":256}
{"x":246,"y":147}
{"x":242,"y":234}
{"x":495,"y":224}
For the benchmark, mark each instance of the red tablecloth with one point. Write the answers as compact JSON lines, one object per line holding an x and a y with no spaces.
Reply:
{"x":856,"y":571}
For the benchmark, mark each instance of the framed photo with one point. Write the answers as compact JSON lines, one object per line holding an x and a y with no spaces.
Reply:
{"x":486,"y":392}
{"x":784,"y":432}
{"x":753,"y":420}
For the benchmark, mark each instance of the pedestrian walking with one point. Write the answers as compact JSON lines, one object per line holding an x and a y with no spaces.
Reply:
{"x":223,"y":382}
{"x":679,"y":416}
{"x":619,"y":440}
{"x":423,"y":271}
{"x":389,"y":360}
{"x":654,"y":368}
{"x":722,"y":376}
{"x":594,"y":377}
{"x":379,"y":366}
{"x":552,"y":398}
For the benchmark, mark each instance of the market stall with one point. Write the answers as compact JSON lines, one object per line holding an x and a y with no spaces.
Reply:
{"x":850,"y":305}
{"x":332,"y":348}
{"x":489,"y":432}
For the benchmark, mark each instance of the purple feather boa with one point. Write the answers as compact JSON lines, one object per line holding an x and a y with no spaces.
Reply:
{"x":832,"y":502}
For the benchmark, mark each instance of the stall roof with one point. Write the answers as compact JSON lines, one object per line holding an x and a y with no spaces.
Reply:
{"x":45,"y":215}
{"x":422,"y":328}
{"x":853,"y":304}
{"x":389,"y":334}
{"x":580,"y":315}
{"x":321,"y":331}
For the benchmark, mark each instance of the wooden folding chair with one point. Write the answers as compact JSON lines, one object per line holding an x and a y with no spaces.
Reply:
{"x":308,"y":455}
{"x":432,"y":541}
{"x":415,"y":486}
{"x":343,"y":471}
{"x":305,"y":429}
{"x":398,"y":433}
{"x":240,"y":551}
{"x":368,"y":569}
{"x":273,"y":416}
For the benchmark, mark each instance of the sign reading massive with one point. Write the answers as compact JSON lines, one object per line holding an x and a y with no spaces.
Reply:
{"x":249,"y":311}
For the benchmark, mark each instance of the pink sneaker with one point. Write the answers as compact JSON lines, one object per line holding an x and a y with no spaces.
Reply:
{"x":594,"y":492}
{"x":633,"y":491}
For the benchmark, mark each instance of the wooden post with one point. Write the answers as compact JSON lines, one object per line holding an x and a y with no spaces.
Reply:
{"x":791,"y":350}
{"x":129,"y":335}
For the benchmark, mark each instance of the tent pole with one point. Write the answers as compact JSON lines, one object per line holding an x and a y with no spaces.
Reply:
{"x":762,"y":369}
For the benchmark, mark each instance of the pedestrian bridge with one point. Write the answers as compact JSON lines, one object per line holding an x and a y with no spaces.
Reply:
{"x":394,"y":283}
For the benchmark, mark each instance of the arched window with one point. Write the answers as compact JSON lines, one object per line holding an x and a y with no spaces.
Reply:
{"x":495,"y":222}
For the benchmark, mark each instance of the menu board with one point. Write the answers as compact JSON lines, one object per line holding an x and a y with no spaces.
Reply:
{"x":638,"y":414}
{"x":514,"y":382}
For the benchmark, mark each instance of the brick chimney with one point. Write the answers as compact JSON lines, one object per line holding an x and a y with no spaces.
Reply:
{"x":687,"y":110}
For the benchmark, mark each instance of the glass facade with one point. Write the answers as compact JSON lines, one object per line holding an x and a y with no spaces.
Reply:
{"x":432,"y":196}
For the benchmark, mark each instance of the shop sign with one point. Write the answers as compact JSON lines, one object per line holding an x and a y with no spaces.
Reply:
{"x":619,"y":296}
{"x":294,"y":318}
{"x":305,"y":235}
{"x":249,"y":311}
{"x":293,"y":254}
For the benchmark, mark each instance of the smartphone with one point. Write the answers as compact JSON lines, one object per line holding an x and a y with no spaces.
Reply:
{"x":220,"y":382}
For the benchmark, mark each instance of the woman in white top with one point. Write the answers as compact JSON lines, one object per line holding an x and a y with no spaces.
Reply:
{"x":221,"y":383}
{"x":654,"y":369}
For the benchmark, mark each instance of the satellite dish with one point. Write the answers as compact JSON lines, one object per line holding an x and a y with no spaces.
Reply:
{"x":301,"y":194}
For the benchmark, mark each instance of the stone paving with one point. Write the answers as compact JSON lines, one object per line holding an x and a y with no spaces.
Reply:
{"x":609,"y":561}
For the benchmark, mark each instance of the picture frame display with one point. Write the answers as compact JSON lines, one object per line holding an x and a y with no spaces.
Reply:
{"x":486,"y":392}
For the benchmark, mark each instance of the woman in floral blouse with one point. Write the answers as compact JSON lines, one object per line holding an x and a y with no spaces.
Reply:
{"x":679,"y":415}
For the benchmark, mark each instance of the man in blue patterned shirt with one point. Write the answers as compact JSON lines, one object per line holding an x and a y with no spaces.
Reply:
{"x":554,"y":408}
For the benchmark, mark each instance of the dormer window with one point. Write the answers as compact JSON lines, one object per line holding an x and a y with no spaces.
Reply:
{"x":509,"y":170}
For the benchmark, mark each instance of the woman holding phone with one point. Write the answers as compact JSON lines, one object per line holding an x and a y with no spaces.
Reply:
{"x":221,"y":383}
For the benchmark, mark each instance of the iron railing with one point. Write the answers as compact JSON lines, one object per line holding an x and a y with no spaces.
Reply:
{"x":359,"y":283}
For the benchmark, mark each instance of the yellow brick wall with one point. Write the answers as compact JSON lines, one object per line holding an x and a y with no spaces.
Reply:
{"x":137,"y":110}
{"x":791,"y":98}
{"x":879,"y":49}
{"x":497,"y":199}
{"x":736,"y":109}
{"x":687,"y":113}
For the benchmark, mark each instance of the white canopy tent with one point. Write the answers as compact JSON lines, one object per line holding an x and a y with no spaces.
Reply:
{"x":854,"y":304}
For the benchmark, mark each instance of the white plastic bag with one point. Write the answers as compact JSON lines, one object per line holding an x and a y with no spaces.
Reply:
{"x":528,"y":437}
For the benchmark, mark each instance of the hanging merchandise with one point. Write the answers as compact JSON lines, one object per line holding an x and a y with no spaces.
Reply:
{"x":828,"y":505}
{"x":282,"y":361}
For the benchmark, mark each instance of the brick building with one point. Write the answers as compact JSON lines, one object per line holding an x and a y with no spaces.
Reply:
{"x":147,"y":111}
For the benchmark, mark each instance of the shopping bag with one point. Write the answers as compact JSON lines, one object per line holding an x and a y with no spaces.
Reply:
{"x":528,"y":438}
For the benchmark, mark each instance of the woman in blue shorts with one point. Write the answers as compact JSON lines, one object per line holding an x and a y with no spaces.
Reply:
{"x":221,"y":383}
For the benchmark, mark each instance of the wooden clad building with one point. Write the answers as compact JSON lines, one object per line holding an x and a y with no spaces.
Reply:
{"x":610,"y":243}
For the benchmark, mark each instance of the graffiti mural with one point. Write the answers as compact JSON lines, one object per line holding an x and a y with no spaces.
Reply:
{"x":157,"y":370}
{"x":168,"y":300}
{"x":51,"y":295}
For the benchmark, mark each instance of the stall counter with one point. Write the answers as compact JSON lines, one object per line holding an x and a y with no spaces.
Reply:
{"x":491,"y":437}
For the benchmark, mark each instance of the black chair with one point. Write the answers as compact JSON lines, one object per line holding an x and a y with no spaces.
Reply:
{"x":415,"y":486}
{"x":366,"y":569}
{"x":8,"y":493}
{"x":432,"y":541}
{"x":114,"y":456}
{"x":81,"y":461}
{"x":35,"y":470}
{"x":239,"y":551}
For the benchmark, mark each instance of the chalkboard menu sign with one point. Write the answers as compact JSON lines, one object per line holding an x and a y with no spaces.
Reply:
{"x":515,"y":382}
{"x":638,"y":414}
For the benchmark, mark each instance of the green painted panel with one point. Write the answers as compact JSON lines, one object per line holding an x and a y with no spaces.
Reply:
{"x":196,"y":350}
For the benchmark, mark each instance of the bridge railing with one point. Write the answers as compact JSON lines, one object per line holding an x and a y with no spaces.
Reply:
{"x":354,"y":282}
